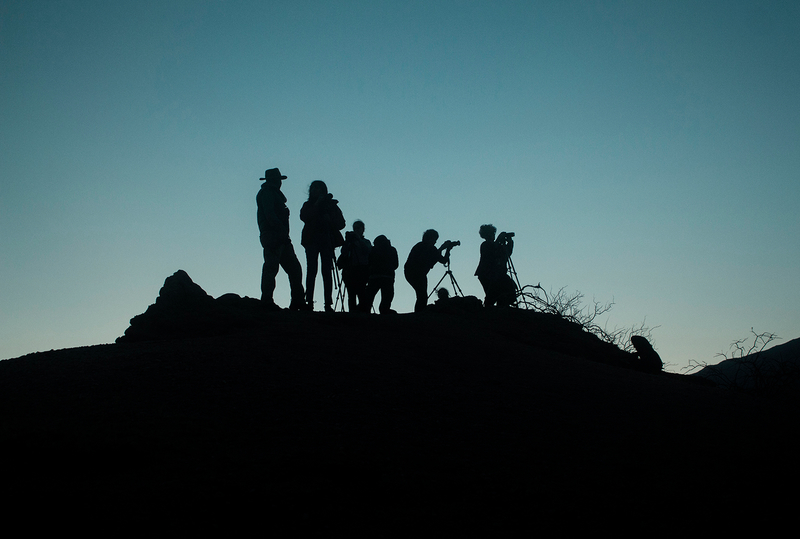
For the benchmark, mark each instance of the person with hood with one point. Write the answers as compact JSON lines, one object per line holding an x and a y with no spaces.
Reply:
{"x":382,"y":263}
{"x":354,"y":263}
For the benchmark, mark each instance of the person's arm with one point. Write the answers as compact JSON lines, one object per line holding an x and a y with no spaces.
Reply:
{"x":307,"y":212}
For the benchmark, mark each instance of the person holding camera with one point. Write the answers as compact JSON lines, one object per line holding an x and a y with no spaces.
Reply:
{"x":321,"y":235}
{"x":423,"y":256}
{"x":492,"y":269}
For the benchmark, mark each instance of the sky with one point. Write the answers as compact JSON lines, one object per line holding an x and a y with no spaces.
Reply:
{"x":644,"y":153}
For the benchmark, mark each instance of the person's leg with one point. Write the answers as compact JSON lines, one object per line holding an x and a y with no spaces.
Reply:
{"x":387,"y":295}
{"x":506,"y":291}
{"x":291,"y":265}
{"x":368,"y":297}
{"x":488,"y":289}
{"x":420,"y":285}
{"x":347,"y":282}
{"x":268,"y":272}
{"x":326,"y":256}
{"x":312,"y":253}
{"x":361,"y":283}
{"x":422,"y":295}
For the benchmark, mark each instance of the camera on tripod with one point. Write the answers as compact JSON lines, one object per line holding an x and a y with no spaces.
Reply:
{"x":444,"y":251}
{"x":505,"y":237}
{"x":450,"y":244}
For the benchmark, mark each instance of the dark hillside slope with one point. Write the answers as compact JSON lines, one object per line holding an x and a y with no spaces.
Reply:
{"x":377,"y":424}
{"x":774,"y":372}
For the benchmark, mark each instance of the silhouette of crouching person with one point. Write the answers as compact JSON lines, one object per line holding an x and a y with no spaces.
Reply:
{"x":383,"y":262}
{"x":273,"y":226}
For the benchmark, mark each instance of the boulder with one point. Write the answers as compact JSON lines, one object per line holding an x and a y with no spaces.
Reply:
{"x":649,"y":360}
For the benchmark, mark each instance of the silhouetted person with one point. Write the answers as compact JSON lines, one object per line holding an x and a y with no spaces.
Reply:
{"x":442,"y":295}
{"x":382,"y":263}
{"x":421,"y":259}
{"x":455,"y":304}
{"x":273,"y":227}
{"x":492,"y":269}
{"x":354,"y":263}
{"x":321,"y":235}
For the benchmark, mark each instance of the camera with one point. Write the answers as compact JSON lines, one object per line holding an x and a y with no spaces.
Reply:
{"x":450,"y":244}
{"x":505,"y":237}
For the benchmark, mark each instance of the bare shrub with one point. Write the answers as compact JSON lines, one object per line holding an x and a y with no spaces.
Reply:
{"x":745,"y":367}
{"x":570,"y":306}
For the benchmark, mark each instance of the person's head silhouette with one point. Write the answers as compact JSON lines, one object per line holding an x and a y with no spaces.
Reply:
{"x":430,"y":237}
{"x":317,"y":189}
{"x":358,"y":227}
{"x":273,"y":177}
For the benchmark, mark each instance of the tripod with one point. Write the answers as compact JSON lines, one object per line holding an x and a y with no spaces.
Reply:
{"x":526,"y":299}
{"x":456,"y":289}
{"x":337,"y":282}
{"x":522,"y":300}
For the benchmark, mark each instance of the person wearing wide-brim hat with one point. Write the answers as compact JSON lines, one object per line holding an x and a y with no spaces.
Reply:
{"x":273,"y":227}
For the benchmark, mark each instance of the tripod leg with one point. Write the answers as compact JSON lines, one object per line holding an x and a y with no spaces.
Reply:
{"x":513,"y":272}
{"x":338,"y":283}
{"x":456,"y":289}
{"x":437,"y":285}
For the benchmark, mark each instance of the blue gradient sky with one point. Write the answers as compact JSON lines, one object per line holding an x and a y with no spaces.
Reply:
{"x":643,"y":152}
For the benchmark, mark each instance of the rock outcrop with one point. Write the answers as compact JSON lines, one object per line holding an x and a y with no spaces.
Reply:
{"x":184,"y":309}
{"x":649,"y":360}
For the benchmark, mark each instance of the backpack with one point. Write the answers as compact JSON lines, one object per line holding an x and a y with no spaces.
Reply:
{"x":355,"y":252}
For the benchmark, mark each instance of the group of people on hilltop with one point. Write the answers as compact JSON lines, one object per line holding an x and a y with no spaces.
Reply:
{"x":367,"y":268}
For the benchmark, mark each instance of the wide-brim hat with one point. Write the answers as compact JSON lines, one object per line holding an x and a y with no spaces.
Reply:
{"x":272,"y":174}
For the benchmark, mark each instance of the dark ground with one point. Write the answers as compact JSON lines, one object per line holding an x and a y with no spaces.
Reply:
{"x":491,"y":421}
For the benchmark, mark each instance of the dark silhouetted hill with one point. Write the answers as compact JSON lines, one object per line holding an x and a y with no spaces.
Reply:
{"x":773,"y":372}
{"x":215,"y":415}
